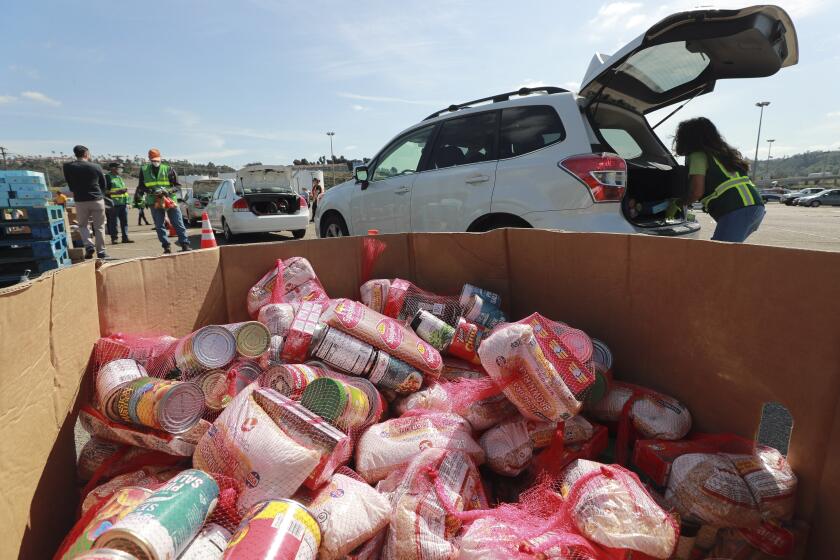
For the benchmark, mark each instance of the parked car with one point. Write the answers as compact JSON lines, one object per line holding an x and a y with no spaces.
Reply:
{"x":829,"y":197}
{"x":791,"y":198}
{"x":236,"y":209}
{"x":195,"y":198}
{"x":561,"y":160}
{"x":773,"y":195}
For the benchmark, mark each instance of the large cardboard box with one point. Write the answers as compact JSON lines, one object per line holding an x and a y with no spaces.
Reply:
{"x":710,"y":323}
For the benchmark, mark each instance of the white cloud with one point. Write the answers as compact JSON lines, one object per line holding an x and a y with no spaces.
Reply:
{"x":185,"y":118}
{"x":199,"y":156}
{"x":833,"y":114}
{"x":7,"y":99}
{"x":625,"y":15}
{"x":39,"y":97}
{"x":349,"y":148}
{"x":382,"y":99}
{"x":359,"y":107}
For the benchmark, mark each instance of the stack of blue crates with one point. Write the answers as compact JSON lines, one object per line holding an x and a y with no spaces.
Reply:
{"x":32,"y":230}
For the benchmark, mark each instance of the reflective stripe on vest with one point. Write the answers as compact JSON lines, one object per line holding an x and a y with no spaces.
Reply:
{"x":741,"y":184}
{"x":117,"y":184}
{"x":155,"y":183}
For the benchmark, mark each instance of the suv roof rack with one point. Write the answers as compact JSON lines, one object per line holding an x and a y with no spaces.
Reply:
{"x":521,"y":92}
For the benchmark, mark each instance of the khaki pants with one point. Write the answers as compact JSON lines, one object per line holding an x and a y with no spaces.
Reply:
{"x":94,"y":211}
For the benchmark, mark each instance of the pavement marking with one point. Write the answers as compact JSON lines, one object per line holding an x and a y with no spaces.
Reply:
{"x":802,"y":232}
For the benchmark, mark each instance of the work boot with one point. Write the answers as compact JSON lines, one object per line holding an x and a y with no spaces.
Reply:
{"x":89,"y":252}
{"x":127,"y":240}
{"x":101,"y":255}
{"x":113,"y":241}
{"x":167,"y":250}
{"x":185,"y":247}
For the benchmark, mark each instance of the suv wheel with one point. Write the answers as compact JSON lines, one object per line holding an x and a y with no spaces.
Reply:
{"x":230,"y":237}
{"x":332,"y":225}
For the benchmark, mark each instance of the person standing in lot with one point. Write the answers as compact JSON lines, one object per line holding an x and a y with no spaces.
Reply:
{"x":118,"y":193}
{"x":140,"y":204}
{"x":87,"y":181}
{"x":317,"y":192}
{"x":159,"y":184}
{"x":717,"y":177}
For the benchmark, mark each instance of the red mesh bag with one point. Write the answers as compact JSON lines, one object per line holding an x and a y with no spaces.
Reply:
{"x":293,"y":280}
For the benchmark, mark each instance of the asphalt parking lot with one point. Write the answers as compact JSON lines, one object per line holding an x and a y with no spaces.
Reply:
{"x":784,"y":226}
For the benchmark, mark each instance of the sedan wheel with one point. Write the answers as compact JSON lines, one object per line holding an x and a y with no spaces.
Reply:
{"x":815,"y":204}
{"x":230,"y":237}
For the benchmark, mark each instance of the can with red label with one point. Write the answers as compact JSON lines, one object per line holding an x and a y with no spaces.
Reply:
{"x":276,"y":530}
{"x":466,"y":341}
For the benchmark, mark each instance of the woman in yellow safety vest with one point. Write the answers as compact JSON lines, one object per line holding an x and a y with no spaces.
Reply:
{"x":717,"y":177}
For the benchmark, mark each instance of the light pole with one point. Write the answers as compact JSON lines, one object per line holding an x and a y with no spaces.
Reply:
{"x":762,"y":105}
{"x":332,"y":156}
{"x":769,"y":147}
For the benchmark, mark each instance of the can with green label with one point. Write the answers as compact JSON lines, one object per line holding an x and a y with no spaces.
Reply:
{"x":162,"y":526}
{"x":337,"y":402}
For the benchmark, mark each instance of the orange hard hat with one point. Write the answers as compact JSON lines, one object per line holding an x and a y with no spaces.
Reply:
{"x":154,"y":153}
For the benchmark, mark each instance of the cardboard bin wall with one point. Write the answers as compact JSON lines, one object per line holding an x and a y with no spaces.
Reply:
{"x":698,"y":320}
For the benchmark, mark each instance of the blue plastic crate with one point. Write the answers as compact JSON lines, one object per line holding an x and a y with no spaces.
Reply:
{"x":32,"y":231}
{"x":22,"y":189}
{"x":10,"y":173}
{"x":48,"y":213}
{"x":27,"y":202}
{"x":18,"y":249}
{"x":35,"y":266}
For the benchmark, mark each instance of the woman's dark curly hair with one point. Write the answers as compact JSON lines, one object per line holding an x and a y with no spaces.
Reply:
{"x":701,"y":135}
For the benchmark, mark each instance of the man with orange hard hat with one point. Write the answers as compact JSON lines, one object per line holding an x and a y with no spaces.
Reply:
{"x":159,"y":184}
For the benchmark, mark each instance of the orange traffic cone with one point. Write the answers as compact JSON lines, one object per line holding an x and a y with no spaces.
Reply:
{"x":172,"y":232}
{"x":208,"y":240}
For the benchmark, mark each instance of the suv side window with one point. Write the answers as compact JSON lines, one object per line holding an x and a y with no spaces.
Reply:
{"x":464,"y":140}
{"x":403,"y":156}
{"x":529,"y":128}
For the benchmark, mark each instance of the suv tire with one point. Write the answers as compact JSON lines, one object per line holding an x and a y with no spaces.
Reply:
{"x":333,"y":225}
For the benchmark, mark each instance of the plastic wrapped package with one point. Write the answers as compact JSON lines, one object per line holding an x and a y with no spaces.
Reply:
{"x":299,"y":284}
{"x":577,"y":429}
{"x":384,"y":333}
{"x":147,"y":477}
{"x":771,"y":481}
{"x":140,"y":348}
{"x":653,"y":415}
{"x":420,"y":527}
{"x":349,"y":513}
{"x":464,"y":400}
{"x":246,"y":444}
{"x":372,"y":549}
{"x":707,"y":488}
{"x":404,"y":300}
{"x":394,"y":443}
{"x":299,"y":336}
{"x":507,"y":447}
{"x":610,"y":507}
{"x":277,"y":317}
{"x":766,"y":542}
{"x":102,"y":459}
{"x":491,"y":539}
{"x":516,"y":362}
{"x":374,"y":294}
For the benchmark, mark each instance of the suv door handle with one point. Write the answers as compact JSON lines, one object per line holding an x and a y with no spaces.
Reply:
{"x":402,"y":190}
{"x":477,"y":179}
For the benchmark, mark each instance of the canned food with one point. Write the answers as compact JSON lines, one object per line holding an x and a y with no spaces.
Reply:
{"x":274,"y":356}
{"x":214,"y":386}
{"x":337,"y":402}
{"x":118,"y":506}
{"x":210,"y":544}
{"x":114,"y":375}
{"x":484,"y":313}
{"x":162,"y":525}
{"x":241,"y":374}
{"x":602,"y":355}
{"x":172,"y":406}
{"x":488,"y":296}
{"x":466,"y":341}
{"x":377,"y":402}
{"x":252,"y":338}
{"x":290,"y":380}
{"x":342,"y":351}
{"x":276,"y":530}
{"x":105,"y":554}
{"x":433,"y":330}
{"x":598,"y":390}
{"x":392,"y":373}
{"x":209,"y":347}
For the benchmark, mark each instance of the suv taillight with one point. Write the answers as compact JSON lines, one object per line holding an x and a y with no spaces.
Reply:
{"x":604,"y":174}
{"x":302,"y":202}
{"x":240,"y":205}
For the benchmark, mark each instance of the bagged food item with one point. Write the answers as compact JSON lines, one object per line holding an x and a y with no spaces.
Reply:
{"x":349,"y":513}
{"x":405,"y":300}
{"x":707,"y":488}
{"x":310,"y":431}
{"x":455,"y":369}
{"x":653,"y":415}
{"x":420,"y":527}
{"x":374,"y":294}
{"x":149,"y":478}
{"x":771,"y":481}
{"x":298,"y":338}
{"x":577,"y":429}
{"x":142,"y":349}
{"x":493,"y":539}
{"x":278,"y":317}
{"x":384,"y":333}
{"x":466,"y":401}
{"x":246,"y":444}
{"x":610,"y":507}
{"x":507,"y":447}
{"x":105,"y":459}
{"x":515,"y":361}
{"x":768,"y":541}
{"x":96,"y":424}
{"x":299,"y":283}
{"x":98,"y":519}
{"x":394,"y":443}
{"x":558,"y":455}
{"x":372,"y":549}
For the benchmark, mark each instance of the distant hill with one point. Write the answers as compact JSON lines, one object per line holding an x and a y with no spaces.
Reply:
{"x":800,"y":165}
{"x":52,"y":167}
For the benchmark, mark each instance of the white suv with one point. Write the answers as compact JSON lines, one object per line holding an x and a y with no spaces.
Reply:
{"x":557,"y":160}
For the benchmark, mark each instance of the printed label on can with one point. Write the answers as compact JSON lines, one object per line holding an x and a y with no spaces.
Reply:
{"x":115,"y":374}
{"x":344,"y":352}
{"x":391,"y":373}
{"x":390,"y":332}
{"x":282,"y":528}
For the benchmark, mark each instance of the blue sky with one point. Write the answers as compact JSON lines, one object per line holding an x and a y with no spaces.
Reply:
{"x":235,"y":82}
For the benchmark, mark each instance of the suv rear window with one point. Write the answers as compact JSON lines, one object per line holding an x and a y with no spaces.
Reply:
{"x":622,"y":142}
{"x":525,"y":129}
{"x":465,"y":140}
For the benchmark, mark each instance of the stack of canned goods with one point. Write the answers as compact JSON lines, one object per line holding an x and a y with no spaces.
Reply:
{"x":210,"y":347}
{"x":252,"y":338}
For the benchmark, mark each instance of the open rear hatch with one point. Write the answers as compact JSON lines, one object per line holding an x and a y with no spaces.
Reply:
{"x":676,"y":60}
{"x":272,"y":203}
